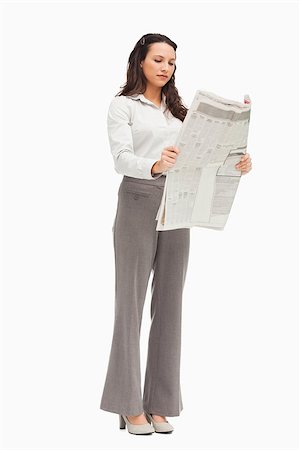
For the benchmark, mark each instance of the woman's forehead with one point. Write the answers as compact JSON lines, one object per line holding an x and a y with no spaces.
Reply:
{"x":162,"y":49}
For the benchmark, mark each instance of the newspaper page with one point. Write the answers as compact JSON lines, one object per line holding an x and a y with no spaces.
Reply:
{"x":200,"y":189}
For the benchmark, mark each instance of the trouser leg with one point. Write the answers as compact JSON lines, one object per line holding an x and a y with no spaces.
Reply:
{"x":135,"y":240}
{"x":162,"y":391}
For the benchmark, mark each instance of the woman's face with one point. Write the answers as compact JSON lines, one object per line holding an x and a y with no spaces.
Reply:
{"x":160,"y":60}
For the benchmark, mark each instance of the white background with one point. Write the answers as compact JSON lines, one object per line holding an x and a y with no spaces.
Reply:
{"x":62,"y":64}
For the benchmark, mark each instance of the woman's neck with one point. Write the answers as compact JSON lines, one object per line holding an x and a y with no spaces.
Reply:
{"x":153,"y":94}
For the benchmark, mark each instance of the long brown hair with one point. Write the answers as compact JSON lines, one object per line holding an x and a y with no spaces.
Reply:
{"x":136,"y":81}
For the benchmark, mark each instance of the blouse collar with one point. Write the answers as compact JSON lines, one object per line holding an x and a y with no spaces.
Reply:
{"x":145,"y":100}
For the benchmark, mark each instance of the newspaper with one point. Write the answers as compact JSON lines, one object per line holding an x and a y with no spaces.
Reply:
{"x":199,"y":190}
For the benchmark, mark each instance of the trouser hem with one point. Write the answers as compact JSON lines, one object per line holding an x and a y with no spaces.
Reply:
{"x":120,"y":411}
{"x":163,"y":412}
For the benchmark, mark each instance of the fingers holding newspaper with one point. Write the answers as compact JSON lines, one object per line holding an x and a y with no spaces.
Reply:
{"x":167,"y":160}
{"x":245,"y":164}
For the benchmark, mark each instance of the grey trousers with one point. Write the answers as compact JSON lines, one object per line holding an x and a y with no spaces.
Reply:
{"x":139,"y":249}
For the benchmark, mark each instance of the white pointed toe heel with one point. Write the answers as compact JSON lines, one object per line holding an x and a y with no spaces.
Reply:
{"x":160,"y":427}
{"x":144,"y":428}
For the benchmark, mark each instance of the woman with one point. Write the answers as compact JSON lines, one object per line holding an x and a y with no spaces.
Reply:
{"x":143,"y":122}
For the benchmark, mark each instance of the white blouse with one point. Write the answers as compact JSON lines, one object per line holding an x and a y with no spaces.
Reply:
{"x":138,"y":131}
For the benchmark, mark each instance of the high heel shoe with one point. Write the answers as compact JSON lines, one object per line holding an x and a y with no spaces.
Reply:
{"x":160,"y":427}
{"x":144,"y":428}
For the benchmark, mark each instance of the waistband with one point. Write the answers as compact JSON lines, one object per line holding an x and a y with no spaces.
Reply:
{"x":160,"y":181}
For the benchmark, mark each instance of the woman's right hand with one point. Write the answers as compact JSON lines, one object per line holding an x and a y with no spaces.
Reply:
{"x":167,"y":160}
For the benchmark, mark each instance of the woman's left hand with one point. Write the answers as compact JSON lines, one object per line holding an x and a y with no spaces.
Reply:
{"x":245,"y":164}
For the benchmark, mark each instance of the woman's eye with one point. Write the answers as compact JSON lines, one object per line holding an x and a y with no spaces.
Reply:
{"x":160,"y":61}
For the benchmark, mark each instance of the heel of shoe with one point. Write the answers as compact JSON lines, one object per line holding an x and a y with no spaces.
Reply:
{"x":122,"y":422}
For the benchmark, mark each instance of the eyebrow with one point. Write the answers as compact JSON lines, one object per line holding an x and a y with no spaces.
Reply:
{"x":163,"y":57}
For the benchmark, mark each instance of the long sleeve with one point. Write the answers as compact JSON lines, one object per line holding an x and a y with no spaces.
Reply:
{"x":121,"y":143}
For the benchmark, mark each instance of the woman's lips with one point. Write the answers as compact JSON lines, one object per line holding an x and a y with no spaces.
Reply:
{"x":162,"y":76}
